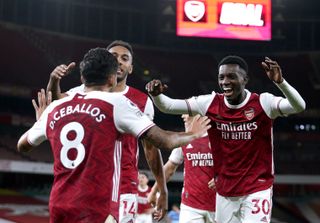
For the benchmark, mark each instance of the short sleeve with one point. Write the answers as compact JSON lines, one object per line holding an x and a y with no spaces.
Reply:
{"x":129,"y":119}
{"x":149,"y":109}
{"x":176,"y":156}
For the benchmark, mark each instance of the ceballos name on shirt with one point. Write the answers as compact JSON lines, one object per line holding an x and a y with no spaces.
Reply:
{"x":200,"y":159}
{"x":78,"y":108}
{"x":237,"y":131}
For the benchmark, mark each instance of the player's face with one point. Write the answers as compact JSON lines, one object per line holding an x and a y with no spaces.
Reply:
{"x":143,"y":180}
{"x":232,"y":80}
{"x":124,"y":58}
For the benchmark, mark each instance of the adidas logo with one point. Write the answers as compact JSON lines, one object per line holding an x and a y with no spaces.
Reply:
{"x":189,"y":146}
{"x":264,"y":219}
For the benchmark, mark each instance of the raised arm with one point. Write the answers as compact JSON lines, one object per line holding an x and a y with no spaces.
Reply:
{"x":54,"y":81}
{"x":25,"y":144}
{"x":43,"y":101}
{"x":293,"y":102}
{"x":165,"y":104}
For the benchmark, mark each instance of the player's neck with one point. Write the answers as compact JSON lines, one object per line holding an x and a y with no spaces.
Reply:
{"x":121,"y":86}
{"x":143,"y":187}
{"x":97,"y":88}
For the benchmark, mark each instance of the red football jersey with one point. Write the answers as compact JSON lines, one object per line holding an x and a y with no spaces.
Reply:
{"x":143,"y":204}
{"x":198,"y":171}
{"x":84,"y":133}
{"x":130,"y":156}
{"x":130,"y":146}
{"x":243,"y":146}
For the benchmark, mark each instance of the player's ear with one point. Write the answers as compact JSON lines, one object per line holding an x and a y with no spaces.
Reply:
{"x":82,"y":80}
{"x":246,"y":79}
{"x":130,"y":69}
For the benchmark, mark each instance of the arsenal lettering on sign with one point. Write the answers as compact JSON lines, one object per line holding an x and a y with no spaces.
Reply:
{"x":231,"y":19}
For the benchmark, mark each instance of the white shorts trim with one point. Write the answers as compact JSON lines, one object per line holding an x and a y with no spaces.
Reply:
{"x":194,"y":215}
{"x":251,"y":208}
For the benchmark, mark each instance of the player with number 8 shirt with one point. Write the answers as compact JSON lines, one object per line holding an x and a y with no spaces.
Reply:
{"x":129,"y":161}
{"x":87,"y":151}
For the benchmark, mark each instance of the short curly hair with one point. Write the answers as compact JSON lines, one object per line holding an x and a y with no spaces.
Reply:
{"x":97,"y":66}
{"x":232,"y":59}
{"x":121,"y":43}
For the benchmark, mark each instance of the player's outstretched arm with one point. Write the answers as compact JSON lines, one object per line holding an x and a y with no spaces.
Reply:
{"x":170,"y":140}
{"x":54,"y":81}
{"x":44,"y":100}
{"x":164,"y":103}
{"x":293,"y":103}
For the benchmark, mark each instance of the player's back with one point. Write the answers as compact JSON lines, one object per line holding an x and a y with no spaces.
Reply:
{"x":84,"y":142}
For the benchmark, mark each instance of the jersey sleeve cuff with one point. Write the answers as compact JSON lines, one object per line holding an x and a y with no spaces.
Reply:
{"x":145,"y":129}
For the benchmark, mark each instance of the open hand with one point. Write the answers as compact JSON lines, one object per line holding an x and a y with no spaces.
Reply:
{"x":43,"y":101}
{"x":273,"y":70}
{"x":161,"y":207}
{"x":199,"y":125}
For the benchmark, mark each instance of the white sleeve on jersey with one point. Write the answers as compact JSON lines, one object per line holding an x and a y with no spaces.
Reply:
{"x":269,"y":104}
{"x":78,"y":89}
{"x":149,"y":110}
{"x":191,"y":106}
{"x":279,"y":106}
{"x":176,"y":156}
{"x":129,"y":119}
{"x":200,"y":104}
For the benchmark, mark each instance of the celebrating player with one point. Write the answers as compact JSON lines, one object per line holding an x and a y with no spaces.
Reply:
{"x":241,"y":136}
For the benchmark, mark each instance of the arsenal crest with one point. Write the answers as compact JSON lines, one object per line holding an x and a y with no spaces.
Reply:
{"x":194,"y":10}
{"x":249,"y":113}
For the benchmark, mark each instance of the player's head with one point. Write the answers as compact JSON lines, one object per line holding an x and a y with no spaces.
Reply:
{"x":124,"y":54}
{"x":232,"y":78}
{"x":143,"y":179}
{"x":98,"y":67}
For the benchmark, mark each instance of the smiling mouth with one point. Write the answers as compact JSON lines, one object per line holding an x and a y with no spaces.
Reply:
{"x":227,"y":92}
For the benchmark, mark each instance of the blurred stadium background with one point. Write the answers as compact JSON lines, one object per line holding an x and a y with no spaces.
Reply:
{"x":37,"y":35}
